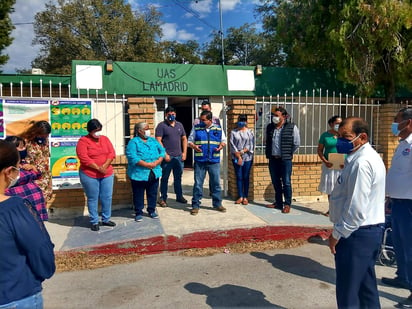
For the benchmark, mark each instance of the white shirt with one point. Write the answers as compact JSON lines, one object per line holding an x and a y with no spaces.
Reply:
{"x":358,"y":197}
{"x":399,"y":178}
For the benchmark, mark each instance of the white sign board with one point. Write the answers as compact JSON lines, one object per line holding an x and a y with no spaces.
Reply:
{"x":89,"y":77}
{"x":240,"y":80}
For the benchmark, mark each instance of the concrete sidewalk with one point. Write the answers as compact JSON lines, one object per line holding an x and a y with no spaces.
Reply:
{"x":177,"y":229}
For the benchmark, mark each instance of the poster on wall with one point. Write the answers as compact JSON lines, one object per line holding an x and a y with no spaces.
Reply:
{"x":22,"y":113}
{"x":70,"y":117}
{"x":1,"y":120}
{"x":64,"y":164}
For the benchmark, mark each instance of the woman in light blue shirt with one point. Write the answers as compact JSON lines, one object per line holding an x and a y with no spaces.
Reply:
{"x":242,"y":145}
{"x":144,"y":155}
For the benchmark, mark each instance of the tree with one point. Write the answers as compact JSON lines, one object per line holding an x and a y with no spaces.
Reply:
{"x":175,"y":52}
{"x":367,"y":42}
{"x":6,"y":27}
{"x":242,"y":46}
{"x":94,"y":30}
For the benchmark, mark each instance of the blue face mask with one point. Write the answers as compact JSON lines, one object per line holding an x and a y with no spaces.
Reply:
{"x":40,"y":140}
{"x":395,"y":126}
{"x":171,"y":117}
{"x":202,"y":124}
{"x":344,"y":145}
{"x":241,"y":124}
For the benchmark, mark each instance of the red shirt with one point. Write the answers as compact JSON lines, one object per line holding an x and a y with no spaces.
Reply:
{"x":91,"y":151}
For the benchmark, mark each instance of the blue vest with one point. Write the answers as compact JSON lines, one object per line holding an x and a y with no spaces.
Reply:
{"x":208,"y":142}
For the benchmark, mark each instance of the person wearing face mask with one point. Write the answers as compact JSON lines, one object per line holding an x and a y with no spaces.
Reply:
{"x":96,"y":153}
{"x":399,"y":192}
{"x":207,"y":140}
{"x":144,"y":157}
{"x":205,"y":106}
{"x":38,"y":154}
{"x":242,"y":145}
{"x":282,"y":141}
{"x":172,"y":136}
{"x":25,"y":185}
{"x":327,"y":145}
{"x":26,"y":251}
{"x":357,"y":211}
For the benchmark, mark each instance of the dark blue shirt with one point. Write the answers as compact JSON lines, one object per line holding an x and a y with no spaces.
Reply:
{"x":171,"y":137}
{"x":26,"y":251}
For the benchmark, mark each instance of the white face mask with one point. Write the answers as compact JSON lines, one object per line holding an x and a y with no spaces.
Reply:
{"x":15,"y":180}
{"x":97,"y":134}
{"x":275,"y":119}
{"x":336,"y":127}
{"x":147,"y":133}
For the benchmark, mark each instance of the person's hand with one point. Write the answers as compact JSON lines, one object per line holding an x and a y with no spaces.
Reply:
{"x":219,"y":148}
{"x":197,"y":148}
{"x":332,"y":244}
{"x":328,"y":164}
{"x":184,"y":155}
{"x":240,"y":161}
{"x":102,"y":169}
{"x":167,"y":158}
{"x":29,"y":167}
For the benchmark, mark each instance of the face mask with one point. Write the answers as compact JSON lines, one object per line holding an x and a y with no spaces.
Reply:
{"x":15,"y":180}
{"x":345,"y":146}
{"x":336,"y":127}
{"x":23,"y":154}
{"x":147,"y":133}
{"x":171,"y":118}
{"x":40,"y":140}
{"x":97,"y":134}
{"x":394,"y":128}
{"x":241,"y":124}
{"x":275,"y":119}
{"x":202,"y":124}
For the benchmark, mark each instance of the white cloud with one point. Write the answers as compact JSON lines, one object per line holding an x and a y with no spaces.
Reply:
{"x":202,"y":6}
{"x":21,"y":52}
{"x":171,"y":33}
{"x":229,"y":5}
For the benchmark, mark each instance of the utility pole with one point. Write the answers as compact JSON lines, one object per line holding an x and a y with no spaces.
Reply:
{"x":221,"y":32}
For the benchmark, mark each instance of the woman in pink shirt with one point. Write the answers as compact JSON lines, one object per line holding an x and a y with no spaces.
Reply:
{"x":96,"y":153}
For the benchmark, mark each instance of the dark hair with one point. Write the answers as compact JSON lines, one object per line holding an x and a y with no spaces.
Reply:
{"x":359,"y":125}
{"x":208,"y":114}
{"x":333,"y":119}
{"x":282,"y":110}
{"x":406,"y":113}
{"x":9,"y":156}
{"x":170,"y":109}
{"x":38,"y":128}
{"x":206,"y":103}
{"x":93,"y":124}
{"x":16,"y":140}
{"x":242,"y":117}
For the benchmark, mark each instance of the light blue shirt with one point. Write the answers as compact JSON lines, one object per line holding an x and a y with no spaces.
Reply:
{"x":240,"y":140}
{"x":148,"y":151}
{"x":399,"y":178}
{"x":358,"y":197}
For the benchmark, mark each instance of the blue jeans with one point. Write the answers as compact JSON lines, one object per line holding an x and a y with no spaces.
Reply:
{"x":401,"y":237}
{"x":242,"y":177}
{"x":32,"y":302}
{"x":280,"y":173}
{"x":213,"y":169}
{"x":355,"y":260}
{"x":95,"y":189}
{"x":138,"y":188}
{"x":176,"y":165}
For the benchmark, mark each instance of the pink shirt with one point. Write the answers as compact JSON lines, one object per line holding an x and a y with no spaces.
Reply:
{"x":89,"y":151}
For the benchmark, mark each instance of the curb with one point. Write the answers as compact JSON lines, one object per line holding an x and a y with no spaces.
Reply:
{"x":205,"y":239}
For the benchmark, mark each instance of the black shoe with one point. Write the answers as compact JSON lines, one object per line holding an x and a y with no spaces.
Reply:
{"x":181,"y":200}
{"x":406,"y":303}
{"x":95,"y":227}
{"x":395,"y":282}
{"x":109,"y":223}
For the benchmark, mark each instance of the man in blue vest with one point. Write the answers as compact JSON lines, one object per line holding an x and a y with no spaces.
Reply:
{"x":207,"y":139}
{"x":282,"y":140}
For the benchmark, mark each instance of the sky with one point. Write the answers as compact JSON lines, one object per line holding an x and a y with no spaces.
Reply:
{"x":182,"y":20}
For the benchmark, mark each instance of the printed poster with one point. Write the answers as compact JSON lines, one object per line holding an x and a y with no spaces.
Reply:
{"x":64,"y":164}
{"x":70,"y":117}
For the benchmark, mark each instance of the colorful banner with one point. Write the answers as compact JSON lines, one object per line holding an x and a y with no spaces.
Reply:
{"x":68,"y":119}
{"x":64,"y":164}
